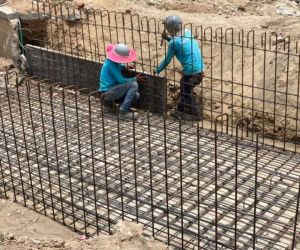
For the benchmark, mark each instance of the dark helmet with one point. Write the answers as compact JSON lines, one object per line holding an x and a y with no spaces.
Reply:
{"x":173,"y":24}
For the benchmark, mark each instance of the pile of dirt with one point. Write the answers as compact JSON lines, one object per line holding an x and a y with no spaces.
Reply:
{"x":6,"y":64}
{"x":24,"y":229}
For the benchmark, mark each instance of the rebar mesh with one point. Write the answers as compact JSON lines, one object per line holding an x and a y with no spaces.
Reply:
{"x":65,"y":157}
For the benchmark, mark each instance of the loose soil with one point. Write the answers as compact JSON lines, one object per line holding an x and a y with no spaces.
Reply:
{"x":6,"y":64}
{"x":23,"y":229}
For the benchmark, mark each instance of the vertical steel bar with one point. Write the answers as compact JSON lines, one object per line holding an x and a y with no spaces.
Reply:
{"x":238,"y":123}
{"x":150,"y":171}
{"x":275,"y":88}
{"x":264,"y":86}
{"x":198,"y":186}
{"x":36,"y":150}
{"x":298,"y":103}
{"x":80,"y":159}
{"x":253,"y":76}
{"x":135,"y":170}
{"x":216,"y":186}
{"x":12,"y":121}
{"x":58,"y":40}
{"x":102,"y":33}
{"x":202,"y":83}
{"x":221,"y":68}
{"x":105,"y":167}
{"x":97,"y":39}
{"x":120,"y":165}
{"x":286,"y":93}
{"x":232,"y":80}
{"x":242,"y":72}
{"x":56,"y":151}
{"x":181,"y":183}
{"x":26,"y":146}
{"x":72,"y":77}
{"x":89,"y":34}
{"x":117,"y":33}
{"x":7,"y":153}
{"x":93,"y":162}
{"x":109,"y":27}
{"x":45,"y":145}
{"x":65,"y":122}
{"x":140,"y":40}
{"x":236,"y":188}
{"x":255,"y":192}
{"x":166,"y":176}
{"x":296,"y":218}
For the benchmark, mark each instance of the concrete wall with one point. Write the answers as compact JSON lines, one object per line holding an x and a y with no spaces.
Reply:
{"x":72,"y":70}
{"x":9,"y":41}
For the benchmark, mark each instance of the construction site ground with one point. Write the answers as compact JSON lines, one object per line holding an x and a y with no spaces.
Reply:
{"x":21,"y":228}
{"x":260,"y":15}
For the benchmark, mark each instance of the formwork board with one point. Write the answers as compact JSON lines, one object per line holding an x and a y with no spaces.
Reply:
{"x":84,"y":73}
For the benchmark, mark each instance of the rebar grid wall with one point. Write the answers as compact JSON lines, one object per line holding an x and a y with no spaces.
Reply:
{"x":190,"y":187}
{"x":247,"y":74}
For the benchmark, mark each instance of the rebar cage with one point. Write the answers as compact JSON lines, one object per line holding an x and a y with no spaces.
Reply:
{"x":65,"y":157}
{"x":230,"y":181}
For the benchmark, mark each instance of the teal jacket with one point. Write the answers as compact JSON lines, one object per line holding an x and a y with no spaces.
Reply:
{"x":111,"y":76}
{"x":187,"y":51}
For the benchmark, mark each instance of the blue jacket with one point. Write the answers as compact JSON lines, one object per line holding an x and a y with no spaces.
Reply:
{"x":111,"y":76}
{"x":187,"y":51}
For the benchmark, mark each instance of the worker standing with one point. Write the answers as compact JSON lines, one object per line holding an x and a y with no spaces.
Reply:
{"x":183,"y":45}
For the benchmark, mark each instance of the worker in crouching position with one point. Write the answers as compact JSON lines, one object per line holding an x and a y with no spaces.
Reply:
{"x":114,"y":87}
{"x":186,"y":49}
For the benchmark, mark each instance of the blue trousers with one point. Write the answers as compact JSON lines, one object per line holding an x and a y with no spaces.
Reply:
{"x":126,"y":94}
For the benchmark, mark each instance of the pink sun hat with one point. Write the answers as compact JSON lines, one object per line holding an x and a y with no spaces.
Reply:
{"x":120,"y":53}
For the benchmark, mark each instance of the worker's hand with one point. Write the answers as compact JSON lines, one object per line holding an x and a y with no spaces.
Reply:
{"x":131,"y":66}
{"x":165,"y":37}
{"x":141,"y":78}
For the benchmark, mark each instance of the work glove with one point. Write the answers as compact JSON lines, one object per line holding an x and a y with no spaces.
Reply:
{"x":165,"y":37}
{"x":131,"y":66}
{"x":141,"y":78}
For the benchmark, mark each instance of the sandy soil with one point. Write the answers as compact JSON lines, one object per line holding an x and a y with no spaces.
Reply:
{"x":245,"y":14}
{"x":23,"y":229}
{"x":6,"y":64}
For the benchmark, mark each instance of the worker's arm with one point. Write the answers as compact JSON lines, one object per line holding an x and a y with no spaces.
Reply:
{"x":116,"y":70}
{"x":168,"y":58}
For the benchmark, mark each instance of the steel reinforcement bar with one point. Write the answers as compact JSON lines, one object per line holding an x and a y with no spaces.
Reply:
{"x":64,"y":156}
{"x":247,"y":73}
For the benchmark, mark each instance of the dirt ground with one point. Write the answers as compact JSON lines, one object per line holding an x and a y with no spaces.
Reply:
{"x":266,"y":15}
{"x":6,"y":64}
{"x":24,"y":229}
